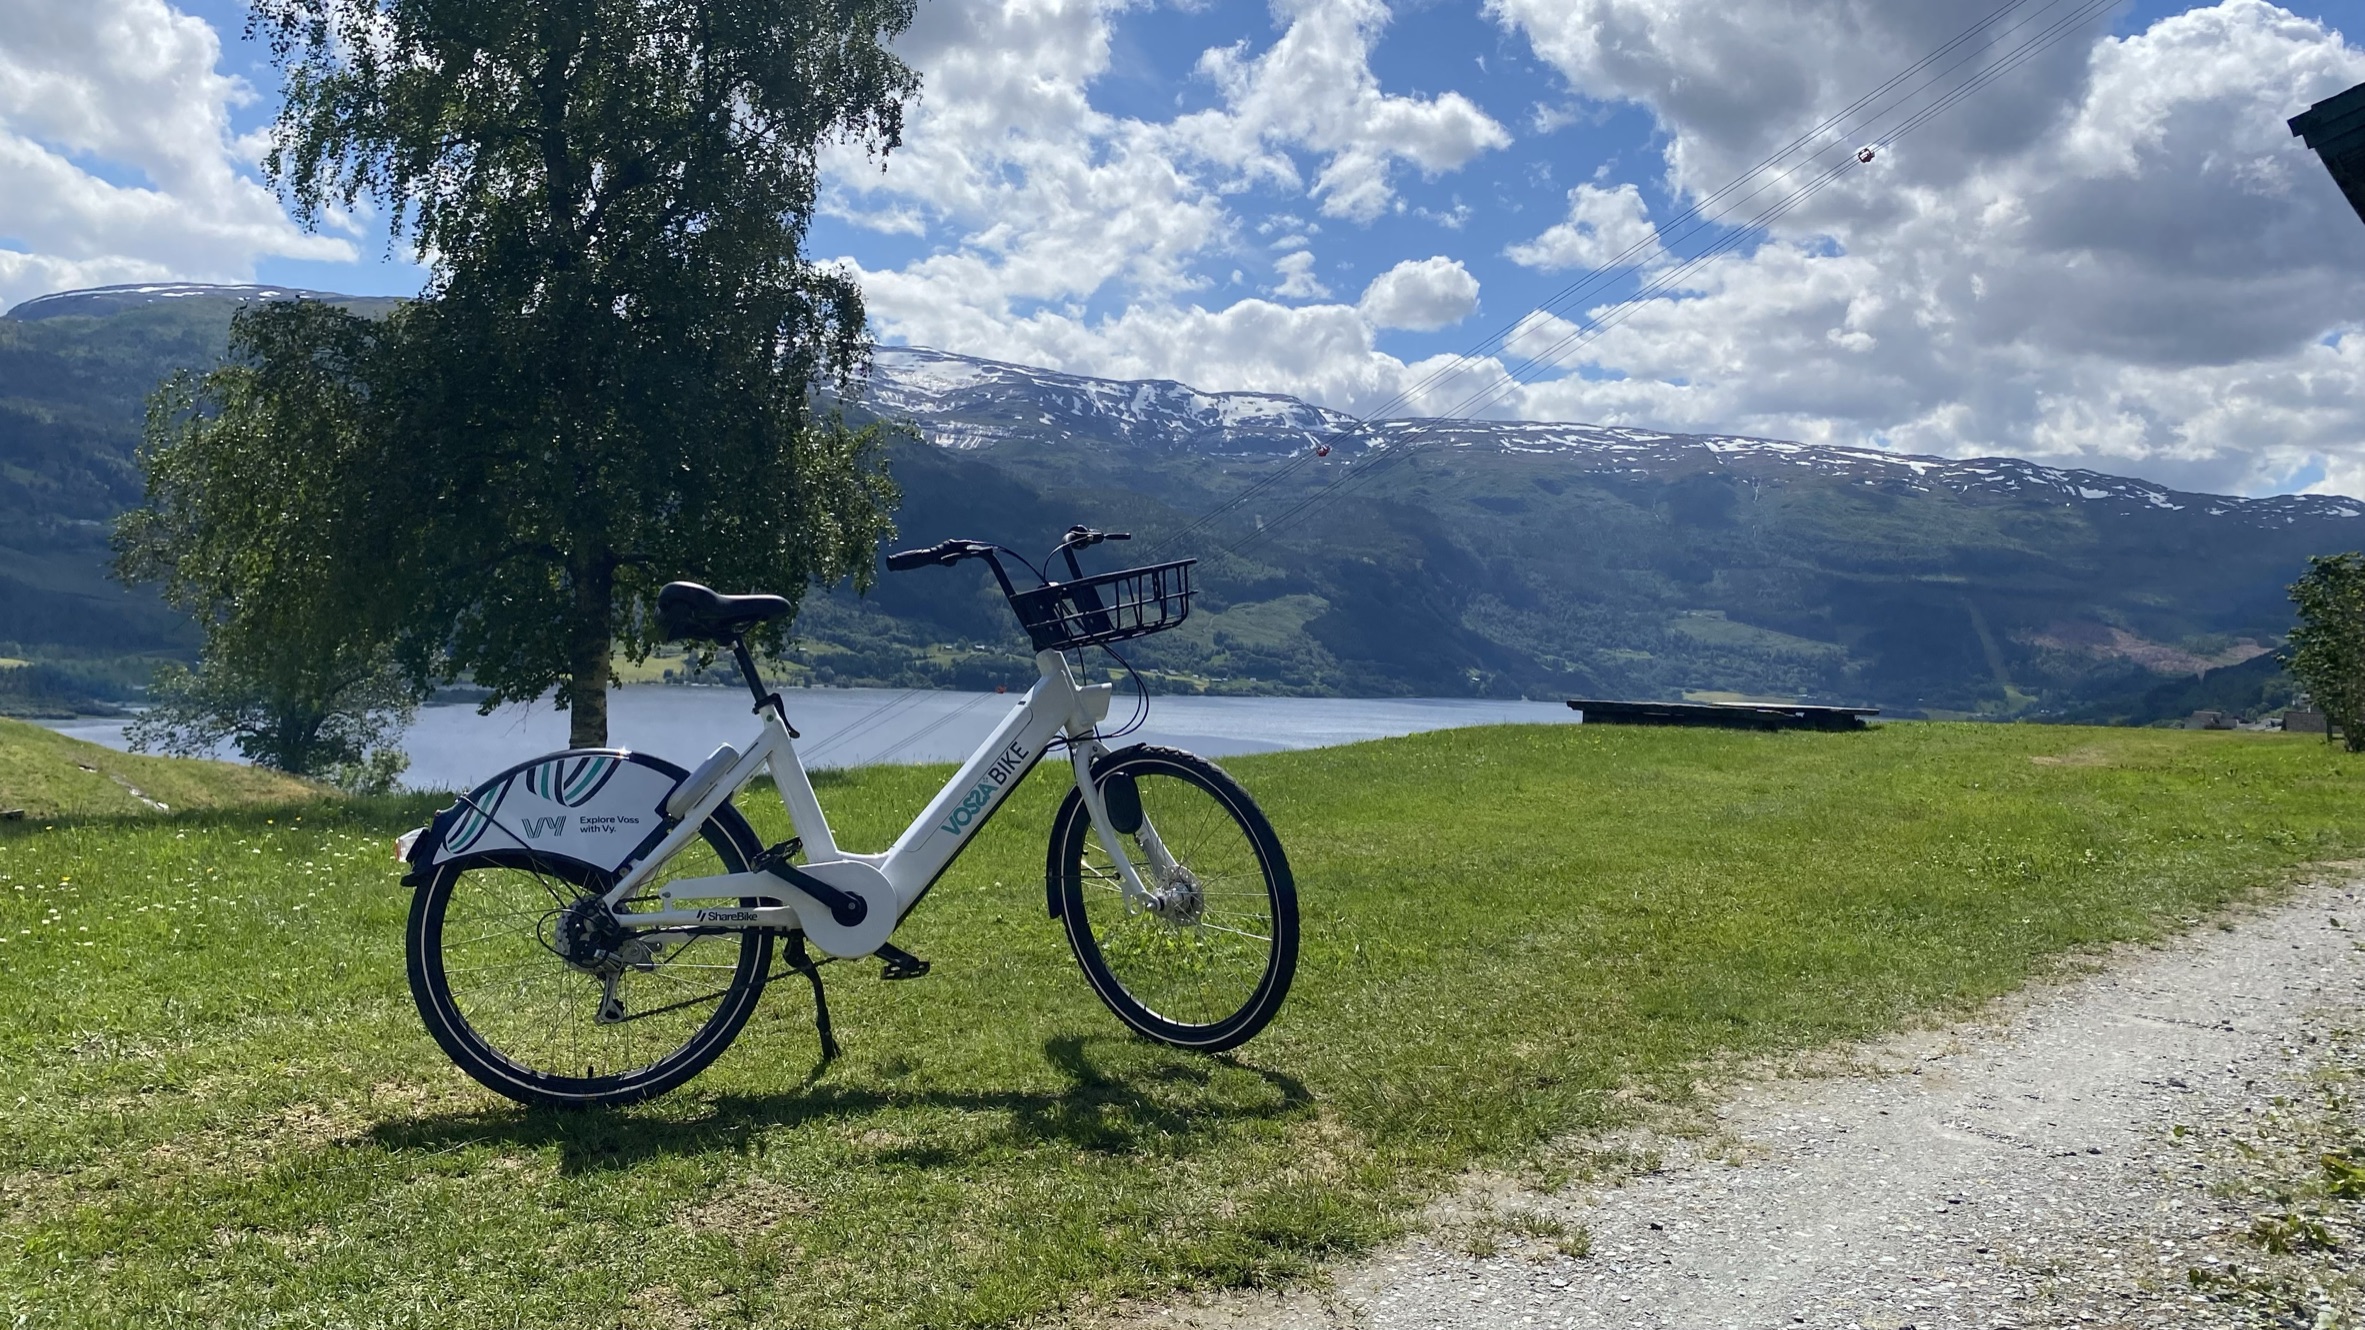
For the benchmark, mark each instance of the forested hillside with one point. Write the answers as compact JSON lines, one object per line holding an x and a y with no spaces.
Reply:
{"x":1419,"y":557}
{"x":75,"y":373}
{"x":1548,"y":559}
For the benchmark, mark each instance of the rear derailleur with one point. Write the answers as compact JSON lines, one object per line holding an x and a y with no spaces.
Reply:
{"x":590,"y":939}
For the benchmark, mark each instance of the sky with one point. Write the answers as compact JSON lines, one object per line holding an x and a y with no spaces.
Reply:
{"x":2085,"y":235}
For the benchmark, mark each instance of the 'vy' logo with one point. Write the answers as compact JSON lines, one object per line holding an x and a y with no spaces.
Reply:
{"x":538,"y":827}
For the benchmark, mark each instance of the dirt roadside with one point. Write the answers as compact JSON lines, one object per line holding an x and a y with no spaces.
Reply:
{"x":2102,"y":1152}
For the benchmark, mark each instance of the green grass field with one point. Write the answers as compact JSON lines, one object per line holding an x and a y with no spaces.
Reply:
{"x":46,"y":774}
{"x":223,"y":1111}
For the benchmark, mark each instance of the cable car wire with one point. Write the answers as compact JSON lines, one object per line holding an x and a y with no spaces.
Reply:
{"x":860,"y":725}
{"x":1682,"y":225}
{"x":2045,"y":39}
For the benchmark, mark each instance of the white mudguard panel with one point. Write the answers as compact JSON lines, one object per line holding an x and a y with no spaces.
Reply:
{"x":592,"y":806}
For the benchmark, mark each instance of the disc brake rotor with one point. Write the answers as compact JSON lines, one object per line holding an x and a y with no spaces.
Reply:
{"x":1178,"y":900}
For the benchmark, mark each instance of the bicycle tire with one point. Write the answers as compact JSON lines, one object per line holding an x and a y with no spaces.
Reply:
{"x":1123,"y":951}
{"x":447,"y":1014}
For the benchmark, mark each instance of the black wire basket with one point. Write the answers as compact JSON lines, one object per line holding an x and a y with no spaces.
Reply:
{"x":1108,"y":608}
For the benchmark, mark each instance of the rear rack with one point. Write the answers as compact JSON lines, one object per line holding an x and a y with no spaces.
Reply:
{"x":1109,"y":607}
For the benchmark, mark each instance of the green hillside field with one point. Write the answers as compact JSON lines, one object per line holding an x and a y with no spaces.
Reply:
{"x":46,"y":775}
{"x":226,"y":1113}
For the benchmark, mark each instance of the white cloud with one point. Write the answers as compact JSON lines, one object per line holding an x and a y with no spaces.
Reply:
{"x":885,"y":221}
{"x":1035,"y":201}
{"x":1539,"y":338}
{"x":1452,"y":219}
{"x":2116,"y":257}
{"x":1045,"y":210}
{"x":1047,"y":199}
{"x":1314,"y":89}
{"x":1605,"y":228}
{"x":1421,"y":294}
{"x":117,"y":161}
{"x":2113,"y":257}
{"x":1322,"y":352}
{"x":1544,"y":118}
{"x":1297,"y":277}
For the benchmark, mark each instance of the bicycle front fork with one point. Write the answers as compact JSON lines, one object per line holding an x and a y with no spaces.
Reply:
{"x":1084,"y":753}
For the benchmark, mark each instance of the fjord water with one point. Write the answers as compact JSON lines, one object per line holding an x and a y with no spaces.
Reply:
{"x":452,"y":747}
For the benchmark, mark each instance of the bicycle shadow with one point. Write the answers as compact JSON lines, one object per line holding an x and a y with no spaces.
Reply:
{"x":1154,"y":1108}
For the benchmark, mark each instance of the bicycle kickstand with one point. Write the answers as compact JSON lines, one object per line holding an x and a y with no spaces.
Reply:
{"x":804,"y":964}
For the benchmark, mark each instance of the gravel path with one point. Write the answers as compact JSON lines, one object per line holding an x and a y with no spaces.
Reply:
{"x":2065,"y":1163}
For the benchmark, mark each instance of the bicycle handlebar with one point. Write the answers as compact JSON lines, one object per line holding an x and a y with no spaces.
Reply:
{"x":1080,"y":536}
{"x":947,"y":552}
{"x":950,"y":552}
{"x":1067,"y":616}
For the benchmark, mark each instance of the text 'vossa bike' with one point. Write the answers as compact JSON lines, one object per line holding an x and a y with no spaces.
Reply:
{"x":595,"y":926}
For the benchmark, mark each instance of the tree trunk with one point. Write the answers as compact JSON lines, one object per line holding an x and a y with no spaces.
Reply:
{"x":587,"y":673}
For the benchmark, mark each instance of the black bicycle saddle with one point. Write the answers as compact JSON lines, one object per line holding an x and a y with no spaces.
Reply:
{"x":687,"y":611}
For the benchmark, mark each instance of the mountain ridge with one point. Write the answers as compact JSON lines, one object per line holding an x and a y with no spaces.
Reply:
{"x":1694,"y":563}
{"x":1420,"y":556}
{"x":103,"y":301}
{"x":907,"y":377}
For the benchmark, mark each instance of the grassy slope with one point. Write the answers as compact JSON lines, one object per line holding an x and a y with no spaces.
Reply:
{"x":49,"y":775}
{"x":228,"y":1115}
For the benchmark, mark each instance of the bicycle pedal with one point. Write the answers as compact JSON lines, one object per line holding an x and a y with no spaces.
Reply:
{"x":900,"y":964}
{"x":778,"y":854}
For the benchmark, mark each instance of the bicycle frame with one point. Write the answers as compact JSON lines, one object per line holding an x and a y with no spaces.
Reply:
{"x":1057,"y":704}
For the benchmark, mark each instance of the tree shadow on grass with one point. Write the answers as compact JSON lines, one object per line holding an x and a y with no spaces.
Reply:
{"x":1160,"y":1108}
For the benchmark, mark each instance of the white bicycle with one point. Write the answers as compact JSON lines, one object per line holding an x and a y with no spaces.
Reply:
{"x":596,"y":926}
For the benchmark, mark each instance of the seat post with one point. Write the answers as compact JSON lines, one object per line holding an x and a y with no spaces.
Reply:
{"x":755,"y":687}
{"x":746,"y":659}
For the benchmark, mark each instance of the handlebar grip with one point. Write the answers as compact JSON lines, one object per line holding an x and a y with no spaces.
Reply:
{"x":946,"y":552}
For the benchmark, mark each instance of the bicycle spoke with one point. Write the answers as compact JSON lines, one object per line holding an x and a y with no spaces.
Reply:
{"x":494,"y":965}
{"x":485,"y":918}
{"x":1219,"y":928}
{"x":532,"y":1009}
{"x":1198,"y":952}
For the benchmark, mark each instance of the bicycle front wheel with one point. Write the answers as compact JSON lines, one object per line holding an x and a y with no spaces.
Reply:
{"x":531,"y":989}
{"x":1205,"y":961}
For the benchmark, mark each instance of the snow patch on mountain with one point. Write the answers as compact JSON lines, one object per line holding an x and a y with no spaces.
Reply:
{"x":100,"y":301}
{"x":963,"y":402}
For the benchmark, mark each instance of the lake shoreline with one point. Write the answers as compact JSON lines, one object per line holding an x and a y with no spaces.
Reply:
{"x":452,"y":746}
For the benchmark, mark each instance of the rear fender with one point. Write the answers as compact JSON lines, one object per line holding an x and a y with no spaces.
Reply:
{"x":598,"y":809}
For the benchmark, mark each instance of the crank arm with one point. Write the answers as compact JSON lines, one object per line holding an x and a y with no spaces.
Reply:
{"x":844,"y":906}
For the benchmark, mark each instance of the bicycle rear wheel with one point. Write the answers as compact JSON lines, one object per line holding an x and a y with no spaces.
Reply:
{"x":530,"y":991}
{"x":1207,"y":961}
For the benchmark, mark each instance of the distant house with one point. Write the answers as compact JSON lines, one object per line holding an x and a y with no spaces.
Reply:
{"x":2305,"y":720}
{"x":2209,"y":720}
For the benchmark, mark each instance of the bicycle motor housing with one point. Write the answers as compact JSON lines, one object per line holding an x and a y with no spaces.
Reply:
{"x":601,"y":808}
